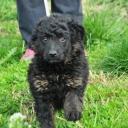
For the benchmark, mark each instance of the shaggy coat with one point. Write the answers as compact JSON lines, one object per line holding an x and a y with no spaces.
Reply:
{"x":58,"y":73}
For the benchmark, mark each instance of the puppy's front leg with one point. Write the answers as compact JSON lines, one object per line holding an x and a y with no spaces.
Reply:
{"x":43,"y":107}
{"x":73,"y":106}
{"x":44,"y":112}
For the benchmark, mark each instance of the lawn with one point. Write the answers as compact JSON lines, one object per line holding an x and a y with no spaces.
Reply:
{"x":106,"y":97}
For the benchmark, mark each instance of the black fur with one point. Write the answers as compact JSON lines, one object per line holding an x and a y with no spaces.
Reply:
{"x":58,"y":81}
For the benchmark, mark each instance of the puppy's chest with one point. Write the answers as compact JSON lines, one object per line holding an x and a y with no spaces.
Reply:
{"x":50,"y":82}
{"x":56,"y":82}
{"x":54,"y":78}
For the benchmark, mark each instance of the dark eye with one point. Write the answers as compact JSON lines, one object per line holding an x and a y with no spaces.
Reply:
{"x":45,"y":39}
{"x":62,"y":39}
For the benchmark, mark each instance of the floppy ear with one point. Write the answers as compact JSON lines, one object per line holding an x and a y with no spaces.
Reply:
{"x":34,"y":37}
{"x":33,"y":40}
{"x":77,"y":37}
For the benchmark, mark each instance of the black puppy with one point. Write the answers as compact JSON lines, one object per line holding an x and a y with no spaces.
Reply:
{"x":59,"y":72}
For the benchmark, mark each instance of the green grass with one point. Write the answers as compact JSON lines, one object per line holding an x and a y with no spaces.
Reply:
{"x":116,"y":61}
{"x":107,"y":29}
{"x":113,"y":2}
{"x":105,"y":104}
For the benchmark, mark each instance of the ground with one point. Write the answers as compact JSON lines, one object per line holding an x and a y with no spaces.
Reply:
{"x":106,"y":97}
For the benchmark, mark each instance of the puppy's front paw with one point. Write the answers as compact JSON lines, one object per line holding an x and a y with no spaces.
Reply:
{"x":73,"y":107}
{"x":72,"y":115}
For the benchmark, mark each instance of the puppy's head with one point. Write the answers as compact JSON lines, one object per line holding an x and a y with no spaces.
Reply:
{"x":54,"y":38}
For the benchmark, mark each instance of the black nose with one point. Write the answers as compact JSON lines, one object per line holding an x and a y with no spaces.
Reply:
{"x":52,"y":53}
